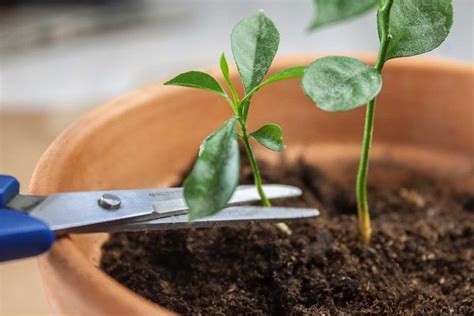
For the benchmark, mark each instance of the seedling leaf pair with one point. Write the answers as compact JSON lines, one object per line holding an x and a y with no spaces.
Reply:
{"x":214,"y":177}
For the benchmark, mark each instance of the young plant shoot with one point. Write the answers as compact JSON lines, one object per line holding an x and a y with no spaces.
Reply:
{"x":215,"y":174}
{"x":406,"y":28}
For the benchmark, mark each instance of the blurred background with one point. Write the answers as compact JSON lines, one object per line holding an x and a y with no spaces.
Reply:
{"x":59,"y":59}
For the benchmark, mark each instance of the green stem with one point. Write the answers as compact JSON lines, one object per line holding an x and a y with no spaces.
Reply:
{"x":361,"y":183}
{"x":233,"y":105}
{"x":245,"y":105}
{"x":253,"y":165}
{"x":233,"y":91}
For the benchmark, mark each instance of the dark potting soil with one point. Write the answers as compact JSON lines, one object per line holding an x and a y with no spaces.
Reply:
{"x":420,"y":260}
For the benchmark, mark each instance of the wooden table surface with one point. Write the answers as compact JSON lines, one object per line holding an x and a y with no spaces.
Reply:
{"x":23,"y":138}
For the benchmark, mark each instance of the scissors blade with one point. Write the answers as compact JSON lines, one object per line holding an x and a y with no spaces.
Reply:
{"x":64,"y":212}
{"x":229,"y":216}
{"x":243,"y":193}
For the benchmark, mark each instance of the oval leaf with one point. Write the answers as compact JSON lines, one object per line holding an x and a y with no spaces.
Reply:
{"x":197,"y":79}
{"x":341,"y":83}
{"x":270,"y":136}
{"x":418,"y":26}
{"x":330,"y":11}
{"x":254,"y":42}
{"x":215,"y":174}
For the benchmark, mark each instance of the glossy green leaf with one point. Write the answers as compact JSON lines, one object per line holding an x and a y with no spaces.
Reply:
{"x":270,"y":136}
{"x":215,"y":174}
{"x":330,"y":11}
{"x":341,"y":83}
{"x":418,"y":26}
{"x":225,"y":68}
{"x":254,"y":42}
{"x":289,"y":73}
{"x":197,"y":79}
{"x":225,"y":72}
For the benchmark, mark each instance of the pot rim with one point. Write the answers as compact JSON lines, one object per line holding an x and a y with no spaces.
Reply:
{"x":80,"y":130}
{"x":65,"y":254}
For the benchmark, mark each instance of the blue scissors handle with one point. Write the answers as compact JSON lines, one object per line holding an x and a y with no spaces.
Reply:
{"x":21,"y":235}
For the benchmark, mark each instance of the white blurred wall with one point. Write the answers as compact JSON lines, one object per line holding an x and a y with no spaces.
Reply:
{"x":177,"y":35}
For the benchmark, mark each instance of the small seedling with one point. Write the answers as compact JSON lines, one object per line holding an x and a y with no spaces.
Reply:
{"x":406,"y":28}
{"x":215,"y":174}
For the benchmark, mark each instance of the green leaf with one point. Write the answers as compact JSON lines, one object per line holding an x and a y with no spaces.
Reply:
{"x":225,"y":72}
{"x":215,"y":174}
{"x":341,"y":83}
{"x":289,"y":73}
{"x":270,"y":136}
{"x":418,"y":26}
{"x":330,"y":11}
{"x":225,"y":68}
{"x":254,"y":42}
{"x":197,"y":79}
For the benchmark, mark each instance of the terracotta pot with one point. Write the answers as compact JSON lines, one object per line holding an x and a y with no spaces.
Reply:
{"x":148,"y":137}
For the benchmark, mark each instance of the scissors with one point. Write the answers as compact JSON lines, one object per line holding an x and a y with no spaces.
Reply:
{"x":29,"y":224}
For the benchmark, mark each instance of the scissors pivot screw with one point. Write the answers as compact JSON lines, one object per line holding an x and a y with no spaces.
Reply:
{"x":109,"y":201}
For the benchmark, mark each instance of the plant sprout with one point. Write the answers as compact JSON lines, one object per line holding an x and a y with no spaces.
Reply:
{"x":406,"y":28}
{"x":215,"y":174}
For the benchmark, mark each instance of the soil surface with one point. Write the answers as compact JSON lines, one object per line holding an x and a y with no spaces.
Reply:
{"x":420,"y":260}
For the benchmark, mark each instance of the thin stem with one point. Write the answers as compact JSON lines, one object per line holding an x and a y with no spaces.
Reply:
{"x":244,"y":108}
{"x":233,"y":91}
{"x":245,"y":105}
{"x":361,"y":183}
{"x":232,"y":104}
{"x":253,"y":164}
{"x":252,"y":92}
{"x":241,"y":109}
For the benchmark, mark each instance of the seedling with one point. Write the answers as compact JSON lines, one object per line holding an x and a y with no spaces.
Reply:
{"x":215,"y":174}
{"x":406,"y":28}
